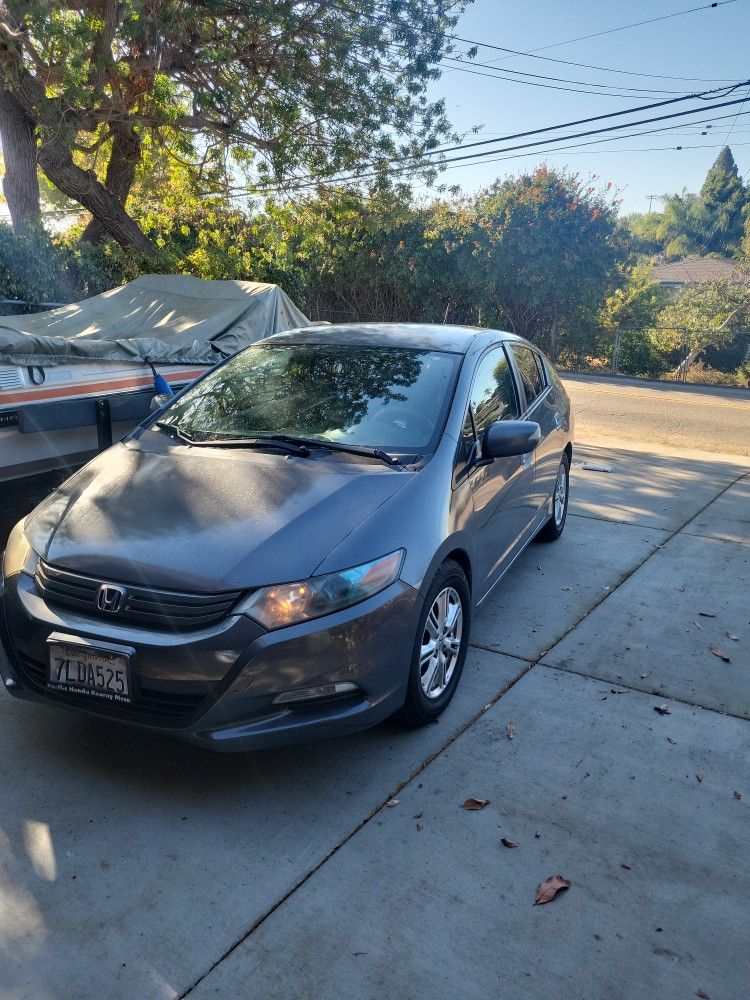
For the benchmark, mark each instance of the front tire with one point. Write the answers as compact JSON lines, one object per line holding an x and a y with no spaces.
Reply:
{"x":439,"y":648}
{"x":556,"y":524}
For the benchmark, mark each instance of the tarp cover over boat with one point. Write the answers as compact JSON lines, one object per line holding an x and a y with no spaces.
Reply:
{"x":161,"y":318}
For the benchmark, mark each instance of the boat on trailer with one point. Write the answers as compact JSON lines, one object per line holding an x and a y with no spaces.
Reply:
{"x":76,"y":378}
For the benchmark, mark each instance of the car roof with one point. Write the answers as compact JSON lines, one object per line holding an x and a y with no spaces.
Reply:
{"x":424,"y":336}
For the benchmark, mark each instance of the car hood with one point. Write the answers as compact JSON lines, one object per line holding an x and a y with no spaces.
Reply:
{"x":207,"y":519}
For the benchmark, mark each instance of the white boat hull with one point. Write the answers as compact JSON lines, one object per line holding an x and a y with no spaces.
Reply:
{"x":43,"y":423}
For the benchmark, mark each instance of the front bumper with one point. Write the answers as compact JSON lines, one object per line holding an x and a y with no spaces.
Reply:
{"x":217,"y":687}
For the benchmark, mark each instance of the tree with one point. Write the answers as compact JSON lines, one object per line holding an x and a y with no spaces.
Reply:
{"x":643,"y":228}
{"x":20,"y":184}
{"x":705,"y":315}
{"x":723,"y":198}
{"x":276,"y":89}
{"x":541,"y":252}
{"x":709,"y":222}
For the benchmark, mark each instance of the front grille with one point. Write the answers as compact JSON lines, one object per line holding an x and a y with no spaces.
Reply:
{"x":165,"y":610}
{"x":149,"y":704}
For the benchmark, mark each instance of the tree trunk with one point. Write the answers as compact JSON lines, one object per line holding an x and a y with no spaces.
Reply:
{"x":20,"y":184}
{"x":123,"y":161}
{"x":56,"y":161}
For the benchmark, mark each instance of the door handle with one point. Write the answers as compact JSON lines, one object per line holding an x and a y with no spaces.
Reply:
{"x":526,"y":460}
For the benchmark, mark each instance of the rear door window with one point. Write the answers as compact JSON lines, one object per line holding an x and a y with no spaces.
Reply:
{"x":530,"y":372}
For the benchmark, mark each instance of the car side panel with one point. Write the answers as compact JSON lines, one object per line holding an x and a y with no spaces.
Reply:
{"x":546,"y":411}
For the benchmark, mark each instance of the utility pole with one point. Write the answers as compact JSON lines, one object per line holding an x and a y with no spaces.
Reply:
{"x":651,"y":198}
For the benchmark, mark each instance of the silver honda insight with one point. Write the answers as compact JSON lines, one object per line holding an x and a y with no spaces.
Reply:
{"x":293,"y":546}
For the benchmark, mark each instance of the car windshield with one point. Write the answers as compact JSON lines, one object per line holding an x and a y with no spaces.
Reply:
{"x":382,"y":397}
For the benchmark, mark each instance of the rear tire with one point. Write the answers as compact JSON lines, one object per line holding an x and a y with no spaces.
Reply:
{"x":439,"y":647}
{"x":556,"y":524}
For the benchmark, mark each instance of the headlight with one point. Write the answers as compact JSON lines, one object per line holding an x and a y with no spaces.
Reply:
{"x":288,"y":603}
{"x":19,"y":555}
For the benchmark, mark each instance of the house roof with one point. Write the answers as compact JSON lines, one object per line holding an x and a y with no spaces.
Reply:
{"x":696,"y":271}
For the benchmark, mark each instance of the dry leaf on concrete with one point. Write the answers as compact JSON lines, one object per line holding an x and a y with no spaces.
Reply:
{"x":663,"y":709}
{"x":510,"y":730}
{"x":702,"y":994}
{"x":737,"y":795}
{"x":506,"y":842}
{"x":718,"y":651}
{"x":548,"y":889}
{"x":473,"y":805}
{"x":707,"y":614}
{"x":733,"y":637}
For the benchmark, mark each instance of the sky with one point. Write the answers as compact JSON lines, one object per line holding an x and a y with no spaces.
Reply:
{"x":709,"y":43}
{"x":705,"y":45}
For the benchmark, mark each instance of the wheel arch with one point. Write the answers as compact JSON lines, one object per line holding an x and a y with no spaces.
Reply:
{"x":461,"y":556}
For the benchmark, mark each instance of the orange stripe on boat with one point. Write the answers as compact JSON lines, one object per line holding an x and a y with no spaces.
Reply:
{"x":83,"y":389}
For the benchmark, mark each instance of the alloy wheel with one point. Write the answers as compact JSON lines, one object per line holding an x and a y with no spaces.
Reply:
{"x":441,"y":642}
{"x":561,"y":495}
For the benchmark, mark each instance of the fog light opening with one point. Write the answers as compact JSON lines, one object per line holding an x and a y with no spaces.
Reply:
{"x":315,"y":693}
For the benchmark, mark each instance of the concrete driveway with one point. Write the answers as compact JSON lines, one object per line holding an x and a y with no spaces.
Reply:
{"x":133,"y":867}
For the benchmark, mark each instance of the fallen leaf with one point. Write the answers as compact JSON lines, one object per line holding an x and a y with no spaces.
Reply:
{"x":670,"y":740}
{"x":626,"y":867}
{"x":737,"y":795}
{"x":659,"y":930}
{"x":548,"y":889}
{"x":595,"y":467}
{"x":702,"y":994}
{"x":474,"y":804}
{"x":566,"y":588}
{"x":391,"y":802}
{"x":510,"y":729}
{"x":618,"y":691}
{"x":707,"y":614}
{"x":697,"y":625}
{"x":663,"y":709}
{"x":418,"y":815}
{"x":699,"y":776}
{"x":508,"y":843}
{"x":420,"y":827}
{"x":733,"y":637}
{"x":538,"y":834}
{"x":717,"y":651}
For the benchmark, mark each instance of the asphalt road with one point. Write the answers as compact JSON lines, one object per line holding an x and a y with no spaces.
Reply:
{"x":703,"y":418}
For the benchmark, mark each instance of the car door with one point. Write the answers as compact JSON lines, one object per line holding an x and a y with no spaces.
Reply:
{"x":502,"y":488}
{"x":541,"y":407}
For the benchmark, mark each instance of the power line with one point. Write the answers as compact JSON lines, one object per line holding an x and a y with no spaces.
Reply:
{"x":731,"y":127}
{"x":580,"y":65}
{"x":635,"y":24}
{"x":581,"y":148}
{"x":545,"y":86}
{"x":541,"y":76}
{"x":303,"y":183}
{"x":585,"y":121}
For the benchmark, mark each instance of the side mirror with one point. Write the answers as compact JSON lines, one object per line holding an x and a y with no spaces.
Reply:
{"x":510,"y":437}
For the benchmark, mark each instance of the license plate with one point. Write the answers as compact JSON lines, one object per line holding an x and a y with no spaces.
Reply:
{"x":85,"y":670}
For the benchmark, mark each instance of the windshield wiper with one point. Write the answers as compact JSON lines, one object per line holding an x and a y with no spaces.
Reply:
{"x":288,"y":442}
{"x":353,"y":449}
{"x":271,"y":441}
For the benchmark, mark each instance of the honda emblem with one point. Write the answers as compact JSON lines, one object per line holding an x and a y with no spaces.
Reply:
{"x":110,"y":598}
